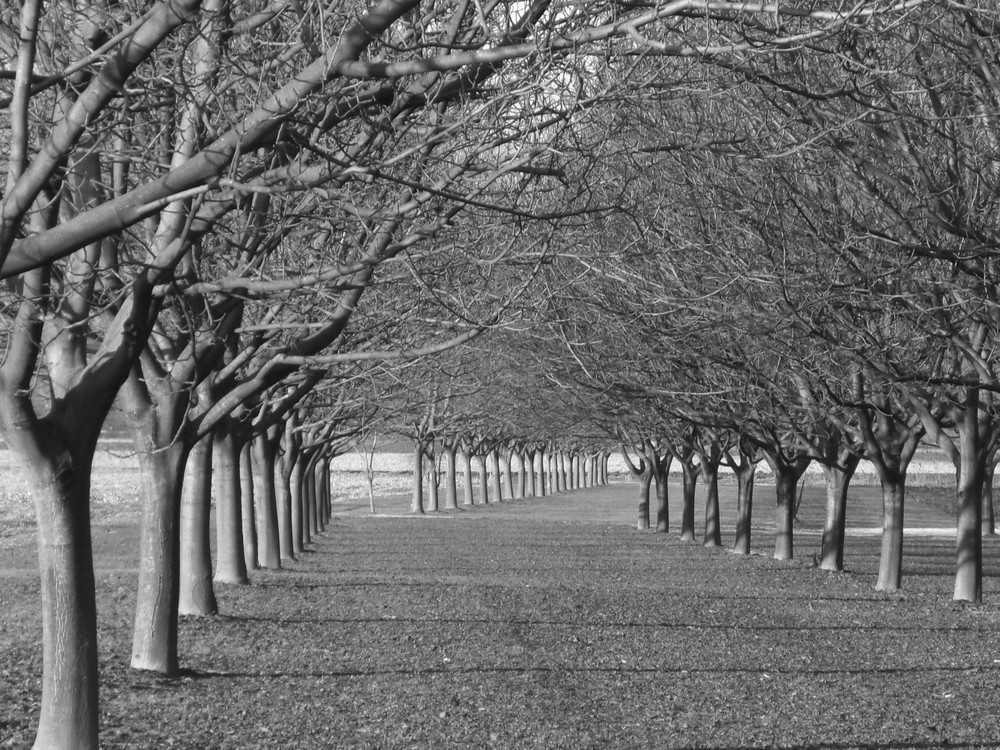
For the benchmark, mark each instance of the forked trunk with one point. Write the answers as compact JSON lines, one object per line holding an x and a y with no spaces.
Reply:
{"x":230,"y":564}
{"x":197,"y":595}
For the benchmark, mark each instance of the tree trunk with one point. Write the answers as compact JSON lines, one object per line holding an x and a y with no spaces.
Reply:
{"x":197,"y":595}
{"x":417,"y":505}
{"x":248,"y":510}
{"x":531,"y":489}
{"x":690,"y":478}
{"x":230,"y":564}
{"x":890,"y":565}
{"x":522,"y":476}
{"x":662,"y":475}
{"x":450,"y":478}
{"x":266,"y":511}
{"x":283,"y":505}
{"x":327,"y":515}
{"x":494,"y":459}
{"x":645,"y":479}
{"x":838,"y":479}
{"x":313,"y":495}
{"x":292,"y":479}
{"x":300,"y":481}
{"x":433,"y":504}
{"x":467,"y":493}
{"x":484,"y":481}
{"x":713,"y":524}
{"x":60,"y":487}
{"x":989,"y":511}
{"x":969,"y":515}
{"x":785,"y":481}
{"x":154,"y":640}
{"x":744,"y":506}
{"x":505,"y":472}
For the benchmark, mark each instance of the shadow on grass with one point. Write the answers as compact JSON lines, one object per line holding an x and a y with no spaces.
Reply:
{"x":576,"y":623}
{"x":192,"y":674}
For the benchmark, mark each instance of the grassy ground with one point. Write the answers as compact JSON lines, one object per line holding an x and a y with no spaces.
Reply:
{"x":541,"y":624}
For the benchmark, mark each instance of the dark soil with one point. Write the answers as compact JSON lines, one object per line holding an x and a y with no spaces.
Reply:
{"x":542,"y":624}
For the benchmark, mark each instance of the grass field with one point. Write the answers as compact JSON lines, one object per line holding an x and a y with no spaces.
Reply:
{"x":542,"y":623}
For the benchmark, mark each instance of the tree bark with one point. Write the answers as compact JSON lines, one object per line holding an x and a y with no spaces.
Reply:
{"x":744,"y":506}
{"x":417,"y":504}
{"x":197,"y":595}
{"x":690,"y":474}
{"x":467,"y":491}
{"x":989,"y":510}
{"x":248,"y":510}
{"x":494,"y":460}
{"x":969,"y":515}
{"x":230,"y":564}
{"x":266,"y":511}
{"x":785,"y":481}
{"x":661,"y":474}
{"x":645,"y":479}
{"x":450,"y":477}
{"x":528,"y":466}
{"x":433,"y":503}
{"x":283,"y":504}
{"x":301,"y":484}
{"x":154,"y":640}
{"x":505,"y":472}
{"x":484,"y":481}
{"x":713,"y":524}
{"x":60,"y":487}
{"x":890,"y":565}
{"x":838,"y":480}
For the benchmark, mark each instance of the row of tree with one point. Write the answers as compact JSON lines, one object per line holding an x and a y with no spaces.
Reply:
{"x":220,"y":217}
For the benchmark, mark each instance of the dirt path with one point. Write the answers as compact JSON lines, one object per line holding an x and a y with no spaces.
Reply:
{"x":546,"y":624}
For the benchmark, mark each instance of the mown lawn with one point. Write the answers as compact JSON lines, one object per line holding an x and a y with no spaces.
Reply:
{"x":543,"y":624}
